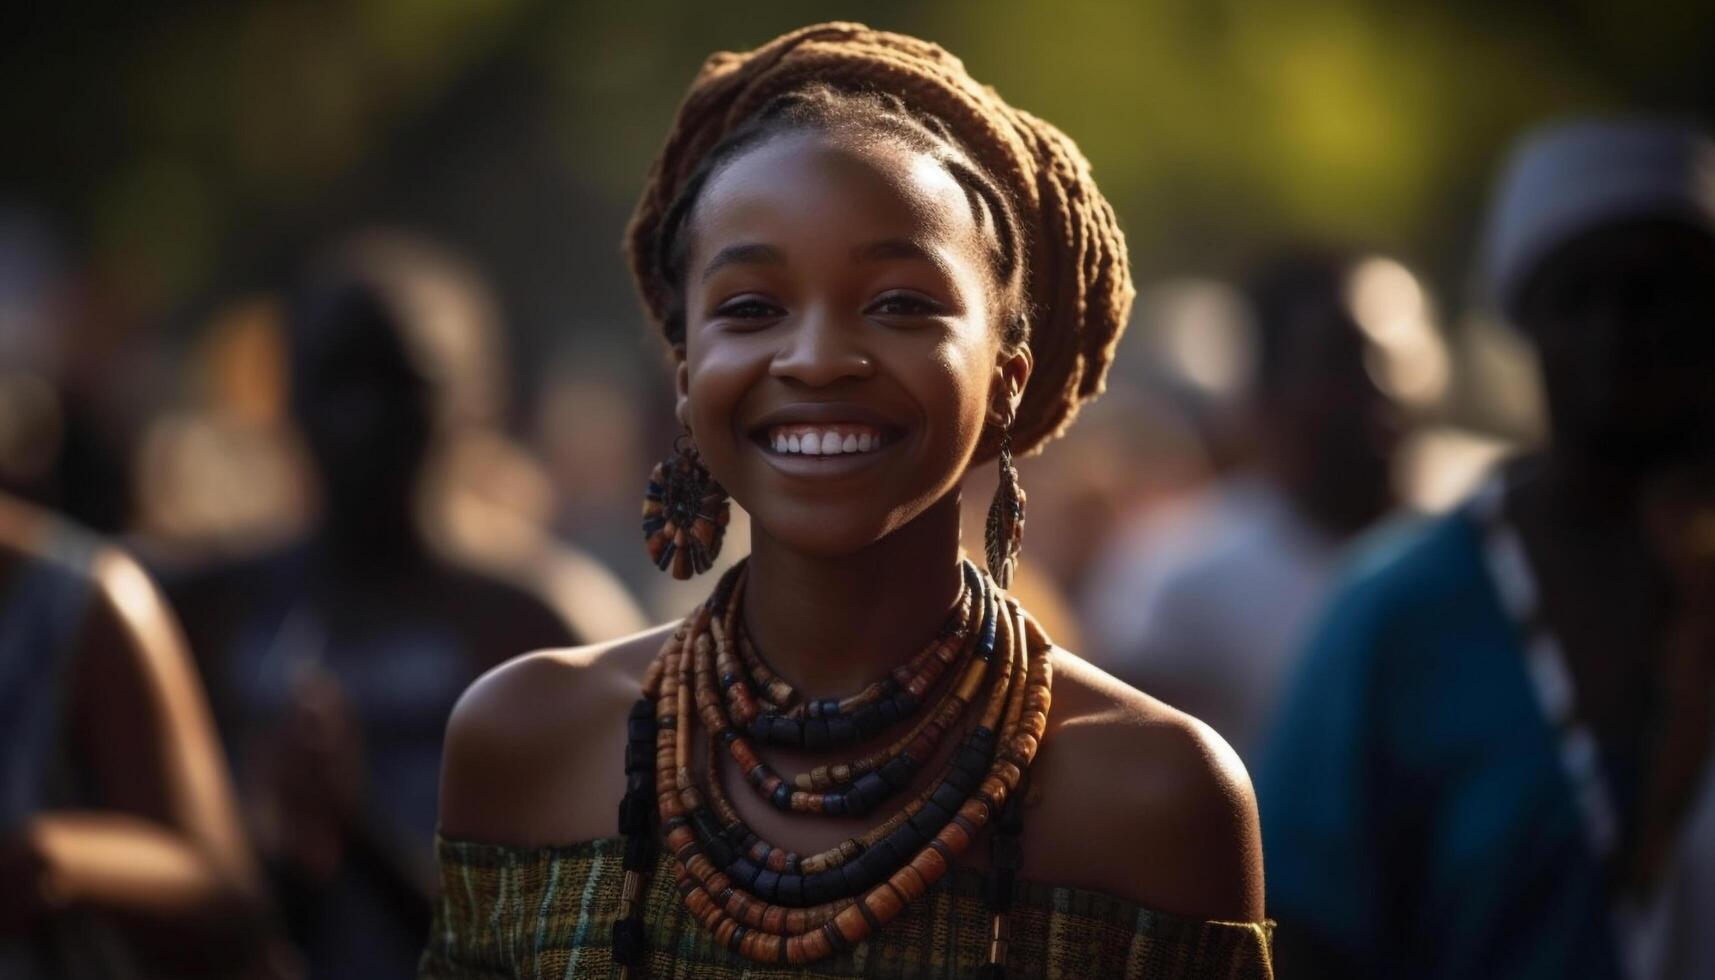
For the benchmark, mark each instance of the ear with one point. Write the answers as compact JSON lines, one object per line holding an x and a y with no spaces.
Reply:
{"x":681,"y":386}
{"x":1011,"y":374}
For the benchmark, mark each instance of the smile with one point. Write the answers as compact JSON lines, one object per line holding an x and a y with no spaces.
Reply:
{"x":826,"y":439}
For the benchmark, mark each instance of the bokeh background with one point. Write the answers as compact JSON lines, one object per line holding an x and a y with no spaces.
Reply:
{"x":167,"y":167}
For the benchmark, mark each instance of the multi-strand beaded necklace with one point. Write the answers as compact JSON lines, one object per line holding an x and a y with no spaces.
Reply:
{"x":986,"y":672}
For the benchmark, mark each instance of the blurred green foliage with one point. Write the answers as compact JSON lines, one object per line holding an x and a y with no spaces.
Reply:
{"x":183,"y":147}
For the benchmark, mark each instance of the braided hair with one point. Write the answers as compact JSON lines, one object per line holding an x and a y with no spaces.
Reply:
{"x":1058,"y":256}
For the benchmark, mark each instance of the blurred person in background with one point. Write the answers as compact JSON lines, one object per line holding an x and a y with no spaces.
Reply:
{"x":1495,"y":760}
{"x":335,"y":659}
{"x":1207,"y":608}
{"x":121,"y":850}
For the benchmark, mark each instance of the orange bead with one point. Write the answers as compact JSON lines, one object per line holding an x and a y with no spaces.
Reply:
{"x":852,"y":925}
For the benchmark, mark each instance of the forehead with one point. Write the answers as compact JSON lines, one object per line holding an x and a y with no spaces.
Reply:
{"x":837,"y":188}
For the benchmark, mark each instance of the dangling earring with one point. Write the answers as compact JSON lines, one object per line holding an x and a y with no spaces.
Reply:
{"x":685,"y":513}
{"x":1004,"y":534}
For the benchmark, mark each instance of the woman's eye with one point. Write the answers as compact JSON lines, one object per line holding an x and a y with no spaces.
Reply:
{"x":747,"y":308}
{"x":904,"y":304}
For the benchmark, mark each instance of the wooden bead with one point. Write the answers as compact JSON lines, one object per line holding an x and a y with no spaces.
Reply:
{"x":909,"y":883}
{"x":884,"y":901}
{"x":852,"y":925}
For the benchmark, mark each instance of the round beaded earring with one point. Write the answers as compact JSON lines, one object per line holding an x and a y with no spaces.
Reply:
{"x":685,"y":513}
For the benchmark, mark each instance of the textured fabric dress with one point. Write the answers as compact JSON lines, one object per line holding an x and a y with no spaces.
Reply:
{"x":549,"y":912}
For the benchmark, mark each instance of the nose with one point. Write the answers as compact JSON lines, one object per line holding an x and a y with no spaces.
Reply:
{"x":821,"y":349}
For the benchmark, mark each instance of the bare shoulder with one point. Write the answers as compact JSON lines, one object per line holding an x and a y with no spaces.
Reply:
{"x":1138,"y":800}
{"x":534,"y":748}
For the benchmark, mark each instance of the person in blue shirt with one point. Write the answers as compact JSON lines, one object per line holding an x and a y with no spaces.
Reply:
{"x":1494,"y":760}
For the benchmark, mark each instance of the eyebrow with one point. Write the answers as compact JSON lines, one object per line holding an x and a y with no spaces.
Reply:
{"x":747,"y":253}
{"x":895,"y":248}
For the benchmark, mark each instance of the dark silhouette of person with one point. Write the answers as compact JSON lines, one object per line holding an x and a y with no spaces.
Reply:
{"x":121,"y":849}
{"x":1496,"y":760}
{"x":337,"y":659}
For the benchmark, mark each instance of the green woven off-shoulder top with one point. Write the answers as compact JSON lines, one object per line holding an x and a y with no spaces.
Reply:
{"x":548,"y":912}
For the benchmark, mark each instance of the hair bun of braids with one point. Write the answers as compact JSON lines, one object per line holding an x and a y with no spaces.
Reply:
{"x":1079,"y":284}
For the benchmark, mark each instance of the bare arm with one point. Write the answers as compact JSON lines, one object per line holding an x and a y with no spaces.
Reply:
{"x":165,"y":857}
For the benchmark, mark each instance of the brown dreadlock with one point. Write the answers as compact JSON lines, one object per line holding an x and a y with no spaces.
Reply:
{"x":1058,"y":246}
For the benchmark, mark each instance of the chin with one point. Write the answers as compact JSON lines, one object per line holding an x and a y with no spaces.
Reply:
{"x":822,"y":531}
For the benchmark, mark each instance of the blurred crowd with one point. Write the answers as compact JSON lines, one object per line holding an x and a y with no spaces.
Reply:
{"x":1440,"y":569}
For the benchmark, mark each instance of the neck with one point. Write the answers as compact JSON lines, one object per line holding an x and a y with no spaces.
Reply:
{"x":831,"y":625}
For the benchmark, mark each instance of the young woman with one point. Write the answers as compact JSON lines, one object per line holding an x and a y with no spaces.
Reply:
{"x":873,"y":274}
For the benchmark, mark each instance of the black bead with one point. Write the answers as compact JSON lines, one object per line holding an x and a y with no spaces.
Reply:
{"x":926,"y":823}
{"x":972,"y":759}
{"x":703,"y":822}
{"x":641,"y":730}
{"x":834,"y":803}
{"x":948,"y":797}
{"x":907,"y":840}
{"x":782,"y":797}
{"x":888,"y":710}
{"x":816,"y":734}
{"x":639,"y":853}
{"x":785,"y":731}
{"x":791,"y":891}
{"x":743,"y":871}
{"x":643,"y":708}
{"x":640,"y":784}
{"x":983,"y":734}
{"x":728,"y":680}
{"x":759,"y":728}
{"x":898,"y":771}
{"x":851,"y":876}
{"x":635,"y":812}
{"x":963,"y":780}
{"x":639,"y":757}
{"x":906,"y":702}
{"x":871,"y":867}
{"x":816,"y":889}
{"x":720,"y":852}
{"x":892,"y":856}
{"x":841,"y":730}
{"x":870,"y":790}
{"x":767,"y":885}
{"x":628,"y":942}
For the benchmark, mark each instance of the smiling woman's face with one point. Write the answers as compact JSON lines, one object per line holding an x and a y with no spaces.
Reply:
{"x":841,"y":350}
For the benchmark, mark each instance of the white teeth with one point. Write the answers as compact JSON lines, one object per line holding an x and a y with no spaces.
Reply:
{"x":824,"y":442}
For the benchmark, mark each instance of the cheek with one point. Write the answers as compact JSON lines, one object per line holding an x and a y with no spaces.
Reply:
{"x":718,"y":376}
{"x":955,"y":379}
